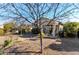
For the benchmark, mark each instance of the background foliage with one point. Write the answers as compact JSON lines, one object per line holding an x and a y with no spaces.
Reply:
{"x":71,"y":28}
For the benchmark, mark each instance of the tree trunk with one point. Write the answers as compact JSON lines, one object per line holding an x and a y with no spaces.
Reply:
{"x":41,"y":40}
{"x":40,"y":26}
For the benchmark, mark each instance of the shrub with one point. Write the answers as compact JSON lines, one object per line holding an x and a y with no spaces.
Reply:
{"x":43,"y":34}
{"x":2,"y":32}
{"x":35,"y":30}
{"x":61,"y":34}
{"x":70,"y":35}
{"x":70,"y":29}
{"x":8,"y":27}
{"x":22,"y":31}
{"x":7,"y":42}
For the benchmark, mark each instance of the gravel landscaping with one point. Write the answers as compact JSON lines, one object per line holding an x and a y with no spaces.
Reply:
{"x":31,"y":46}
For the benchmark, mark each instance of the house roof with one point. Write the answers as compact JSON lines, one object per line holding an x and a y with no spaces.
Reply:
{"x":46,"y":21}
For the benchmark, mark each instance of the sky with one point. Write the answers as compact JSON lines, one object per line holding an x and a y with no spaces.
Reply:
{"x":5,"y":21}
{"x":74,"y":17}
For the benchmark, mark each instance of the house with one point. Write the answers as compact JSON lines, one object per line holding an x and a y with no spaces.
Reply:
{"x":49,"y":26}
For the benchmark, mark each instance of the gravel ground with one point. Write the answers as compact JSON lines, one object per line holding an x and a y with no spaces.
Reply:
{"x":31,"y":46}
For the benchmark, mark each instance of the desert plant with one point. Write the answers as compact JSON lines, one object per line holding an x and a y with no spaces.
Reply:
{"x":1,"y":51}
{"x":1,"y":32}
{"x":7,"y":43}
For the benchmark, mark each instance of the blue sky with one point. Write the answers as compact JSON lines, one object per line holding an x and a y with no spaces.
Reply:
{"x":70,"y":18}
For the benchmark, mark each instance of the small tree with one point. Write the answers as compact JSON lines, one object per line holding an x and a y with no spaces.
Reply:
{"x":8,"y":27}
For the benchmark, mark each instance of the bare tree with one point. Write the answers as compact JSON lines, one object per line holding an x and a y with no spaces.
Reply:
{"x":61,"y":12}
{"x":25,"y":11}
{"x":31,"y":12}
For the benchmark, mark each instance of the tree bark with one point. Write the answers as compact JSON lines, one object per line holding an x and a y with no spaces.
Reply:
{"x":41,"y":40}
{"x":40,"y":26}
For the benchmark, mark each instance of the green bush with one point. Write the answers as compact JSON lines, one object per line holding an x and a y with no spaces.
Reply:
{"x":7,"y":42}
{"x":1,"y":32}
{"x":70,"y":29}
{"x":8,"y":27}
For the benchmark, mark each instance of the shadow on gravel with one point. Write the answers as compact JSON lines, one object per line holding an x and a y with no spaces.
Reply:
{"x":18,"y":52}
{"x":66,"y":45}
